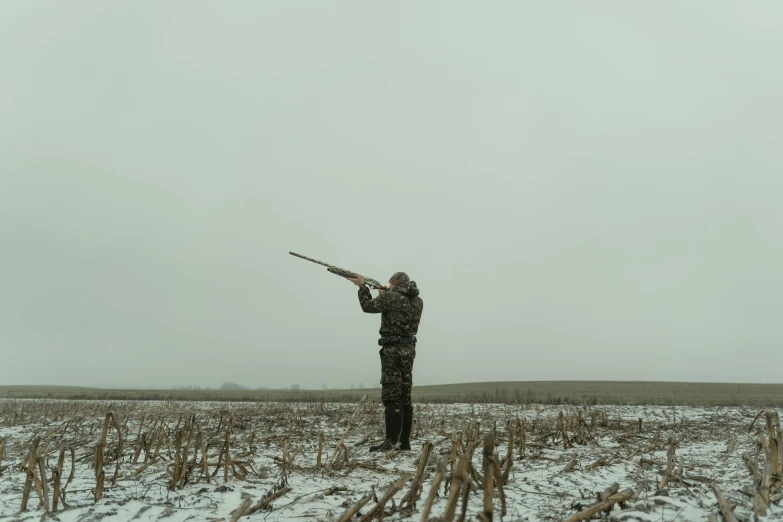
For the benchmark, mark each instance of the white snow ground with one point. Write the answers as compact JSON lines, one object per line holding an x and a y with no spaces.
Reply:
{"x":538,"y":488}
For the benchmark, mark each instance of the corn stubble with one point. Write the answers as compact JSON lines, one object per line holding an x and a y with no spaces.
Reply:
{"x":198,"y":444}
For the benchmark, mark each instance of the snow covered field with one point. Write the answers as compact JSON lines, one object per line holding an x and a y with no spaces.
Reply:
{"x":273,"y":449}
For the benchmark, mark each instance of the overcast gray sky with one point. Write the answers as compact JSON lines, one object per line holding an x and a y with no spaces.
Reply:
{"x":584,"y":190}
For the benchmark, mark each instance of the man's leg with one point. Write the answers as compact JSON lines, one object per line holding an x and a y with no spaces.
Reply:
{"x":407,"y":355}
{"x":391,"y":390}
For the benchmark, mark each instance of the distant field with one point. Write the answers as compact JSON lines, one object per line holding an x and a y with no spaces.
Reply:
{"x":538,"y":392}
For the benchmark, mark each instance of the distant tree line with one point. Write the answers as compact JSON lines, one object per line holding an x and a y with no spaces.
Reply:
{"x":233,"y":386}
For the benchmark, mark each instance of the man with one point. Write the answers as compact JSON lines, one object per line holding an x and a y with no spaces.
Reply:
{"x":400,"y":307}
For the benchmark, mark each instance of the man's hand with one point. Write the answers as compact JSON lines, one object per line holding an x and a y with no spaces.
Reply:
{"x":358,"y":280}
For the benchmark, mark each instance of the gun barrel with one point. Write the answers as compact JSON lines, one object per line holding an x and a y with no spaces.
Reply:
{"x":309,"y":259}
{"x":340,"y":271}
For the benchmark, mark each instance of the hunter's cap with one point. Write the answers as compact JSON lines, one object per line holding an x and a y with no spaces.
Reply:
{"x":400,"y":278}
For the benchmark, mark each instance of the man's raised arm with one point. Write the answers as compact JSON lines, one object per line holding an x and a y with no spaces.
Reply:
{"x":370,"y":305}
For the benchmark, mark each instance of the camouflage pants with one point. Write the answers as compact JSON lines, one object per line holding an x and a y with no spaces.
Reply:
{"x":397,"y":374}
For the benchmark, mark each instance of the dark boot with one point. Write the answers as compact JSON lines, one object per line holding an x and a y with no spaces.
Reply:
{"x":393,"y":417}
{"x":376,"y":447}
{"x":407,"y":425}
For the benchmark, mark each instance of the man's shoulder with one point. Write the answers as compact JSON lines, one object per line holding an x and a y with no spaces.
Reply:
{"x":393,"y":296}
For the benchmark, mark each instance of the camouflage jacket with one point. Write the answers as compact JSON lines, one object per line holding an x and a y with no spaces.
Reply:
{"x":400,"y":307}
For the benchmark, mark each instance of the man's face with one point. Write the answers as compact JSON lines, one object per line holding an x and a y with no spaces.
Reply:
{"x":391,"y":285}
